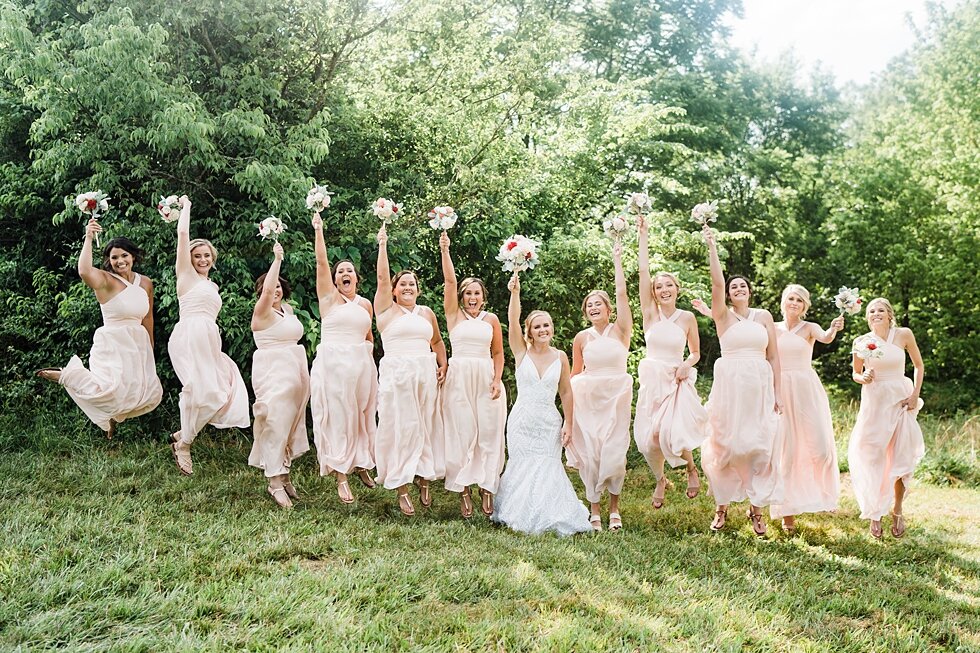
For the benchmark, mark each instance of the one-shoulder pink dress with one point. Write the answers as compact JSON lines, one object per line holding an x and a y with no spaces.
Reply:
{"x":669,"y":415}
{"x":602,"y":396}
{"x":886,"y":443}
{"x":214,"y":392}
{"x":344,"y":383}
{"x":741,"y":454}
{"x":121,"y":381}
{"x":282,"y":389}
{"x":408,"y":403}
{"x":808,"y":460}
{"x":473,"y":423}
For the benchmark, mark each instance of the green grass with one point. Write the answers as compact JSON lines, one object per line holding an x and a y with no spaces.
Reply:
{"x":106,"y":547}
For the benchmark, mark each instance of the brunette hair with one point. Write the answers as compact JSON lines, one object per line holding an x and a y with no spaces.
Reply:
{"x":286,"y":288}
{"x":728,"y":285}
{"x":466,"y":284}
{"x":333,"y":270}
{"x":399,"y":275}
{"x":123,"y":243}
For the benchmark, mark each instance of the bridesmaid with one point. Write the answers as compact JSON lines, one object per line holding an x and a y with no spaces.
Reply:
{"x":122,"y":381}
{"x":411,"y":371}
{"x":213,"y":390}
{"x":603,"y":394}
{"x":474,"y":407}
{"x":670,"y":420}
{"x":886,"y":443}
{"x":741,"y":454}
{"x":809,"y":455}
{"x":281,"y":382}
{"x":344,"y":377}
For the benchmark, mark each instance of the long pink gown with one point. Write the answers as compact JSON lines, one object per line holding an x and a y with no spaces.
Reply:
{"x":473,"y":423}
{"x":602,"y":396}
{"x":282,"y":389}
{"x":344,"y":383}
{"x":808,"y":460}
{"x":121,"y":381}
{"x":669,"y":415}
{"x":408,"y":408}
{"x":741,"y":454}
{"x":214,"y":392}
{"x":886,"y":443}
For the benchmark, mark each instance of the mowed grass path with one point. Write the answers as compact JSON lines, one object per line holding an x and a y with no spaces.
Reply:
{"x":106,"y":547}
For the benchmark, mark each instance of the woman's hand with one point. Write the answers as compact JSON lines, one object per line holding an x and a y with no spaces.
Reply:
{"x":514,"y":285}
{"x":183,"y":201}
{"x":317,"y":221}
{"x":911,"y":403}
{"x":441,"y":373}
{"x":444,"y":242}
{"x":566,"y":434}
{"x":617,"y":250}
{"x":682,"y":372}
{"x":837,"y":324}
{"x":698,"y":304}
{"x":92,"y":228}
{"x":778,"y":406}
{"x":865,"y":377}
{"x":708,"y":234}
{"x":641,"y":223}
{"x":382,"y":236}
{"x":495,"y":389}
{"x":277,"y":251}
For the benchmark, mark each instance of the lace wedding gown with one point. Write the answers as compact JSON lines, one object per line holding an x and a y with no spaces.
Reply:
{"x":535,"y":494}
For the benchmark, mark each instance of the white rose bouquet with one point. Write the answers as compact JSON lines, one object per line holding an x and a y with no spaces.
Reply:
{"x":616,"y":227}
{"x":386,"y":210}
{"x":518,"y":253}
{"x":442,"y":217}
{"x":93,"y":204}
{"x":318,"y":198}
{"x":704,"y":213}
{"x":271,"y":227}
{"x":638,"y":204}
{"x":169,"y":208}
{"x":869,"y":347}
{"x":847,"y":300}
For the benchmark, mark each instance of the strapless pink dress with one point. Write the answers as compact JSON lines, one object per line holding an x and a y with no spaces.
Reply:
{"x":121,"y":381}
{"x":344,"y":391}
{"x":282,"y":389}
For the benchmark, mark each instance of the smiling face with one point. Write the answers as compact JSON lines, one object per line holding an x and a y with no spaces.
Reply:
{"x":739,"y":291}
{"x":121,"y":261}
{"x":345,"y":278}
{"x":793,"y":305}
{"x":880,"y":313}
{"x":472,"y":296}
{"x":596,"y":307}
{"x":539,"y":329}
{"x":665,"y":290}
{"x":202,"y":259}
{"x":405,"y":289}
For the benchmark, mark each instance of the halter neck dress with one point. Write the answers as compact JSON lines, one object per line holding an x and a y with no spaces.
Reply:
{"x":213,"y":390}
{"x":808,"y":460}
{"x":344,"y":383}
{"x":473,"y":423}
{"x":281,"y":382}
{"x":741,"y":454}
{"x":669,"y":415}
{"x":603,"y":395}
{"x":121,"y":381}
{"x":408,"y":442}
{"x":886,"y":443}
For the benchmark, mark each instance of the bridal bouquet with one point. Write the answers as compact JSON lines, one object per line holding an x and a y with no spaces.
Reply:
{"x":442,"y":217}
{"x":638,"y":203}
{"x":518,"y":253}
{"x":704,"y":213}
{"x":93,"y":204}
{"x":869,"y":347}
{"x":271,"y":227}
{"x":386,"y":210}
{"x":318,"y":198}
{"x":847,"y":300}
{"x":169,"y":208}
{"x":616,"y":227}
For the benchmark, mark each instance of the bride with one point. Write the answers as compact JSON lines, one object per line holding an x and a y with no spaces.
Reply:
{"x":535,"y":494}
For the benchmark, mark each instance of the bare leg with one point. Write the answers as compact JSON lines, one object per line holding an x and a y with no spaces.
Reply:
{"x":615,"y":521}
{"x":596,"y":516}
{"x":898,"y":518}
{"x":693,"y":479}
{"x":721,"y":515}
{"x":657,"y":467}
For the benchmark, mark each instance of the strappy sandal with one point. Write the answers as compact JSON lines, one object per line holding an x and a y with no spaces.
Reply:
{"x":875,"y":529}
{"x":693,"y":483}
{"x":344,"y":493}
{"x":596,"y":521}
{"x":425,"y":497}
{"x":290,"y":490}
{"x":366,"y":479}
{"x":898,"y":525}
{"x":183,"y":460}
{"x":758,"y":525}
{"x":486,"y":502}
{"x":658,"y":501}
{"x":466,"y":504}
{"x":721,"y":516}
{"x":52,"y":374}
{"x":405,"y":504}
{"x":279,"y":495}
{"x":615,"y":522}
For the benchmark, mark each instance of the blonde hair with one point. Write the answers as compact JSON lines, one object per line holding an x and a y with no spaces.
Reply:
{"x":668,"y":275}
{"x":198,"y":242}
{"x":601,"y":294}
{"x":528,"y":339}
{"x":466,"y":283}
{"x":803,"y":293}
{"x":888,"y":308}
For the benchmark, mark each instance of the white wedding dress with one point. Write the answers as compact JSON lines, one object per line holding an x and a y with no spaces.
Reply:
{"x":535,"y":494}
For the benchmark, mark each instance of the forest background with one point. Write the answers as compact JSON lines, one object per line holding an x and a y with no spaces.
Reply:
{"x":528,"y":116}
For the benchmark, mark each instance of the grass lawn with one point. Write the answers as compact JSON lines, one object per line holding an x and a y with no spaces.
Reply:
{"x":106,"y":547}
